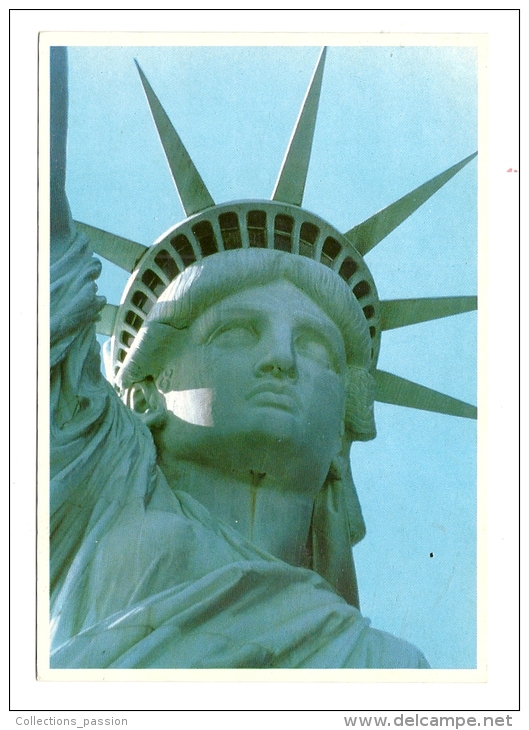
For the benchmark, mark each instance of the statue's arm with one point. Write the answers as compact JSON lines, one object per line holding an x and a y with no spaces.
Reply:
{"x":73,"y":270}
{"x":62,"y":230}
{"x":79,"y":393}
{"x":74,"y":303}
{"x":95,"y":441}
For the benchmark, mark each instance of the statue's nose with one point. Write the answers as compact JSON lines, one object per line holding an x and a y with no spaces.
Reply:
{"x":278,"y":369}
{"x":279,"y":359}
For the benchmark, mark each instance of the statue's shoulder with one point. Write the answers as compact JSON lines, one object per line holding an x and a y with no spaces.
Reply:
{"x":380,"y":650}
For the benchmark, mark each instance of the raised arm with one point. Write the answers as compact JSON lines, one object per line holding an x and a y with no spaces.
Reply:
{"x":74,"y":302}
{"x":102,"y":459}
{"x":61,"y":226}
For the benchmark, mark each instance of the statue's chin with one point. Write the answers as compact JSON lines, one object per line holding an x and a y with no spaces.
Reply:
{"x":268,"y":433}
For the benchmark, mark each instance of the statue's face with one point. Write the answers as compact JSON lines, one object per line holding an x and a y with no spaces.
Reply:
{"x":266,"y":366}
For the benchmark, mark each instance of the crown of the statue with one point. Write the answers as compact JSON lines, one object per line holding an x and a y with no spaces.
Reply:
{"x":282,"y":224}
{"x":245,"y":224}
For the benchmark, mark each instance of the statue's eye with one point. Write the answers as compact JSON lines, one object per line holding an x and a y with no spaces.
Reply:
{"x":316,"y":348}
{"x":233,"y":335}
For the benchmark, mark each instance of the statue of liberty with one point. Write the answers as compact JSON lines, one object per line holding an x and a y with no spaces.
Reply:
{"x":202,"y":504}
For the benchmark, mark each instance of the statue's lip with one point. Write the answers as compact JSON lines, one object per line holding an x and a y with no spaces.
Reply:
{"x":281,"y":393}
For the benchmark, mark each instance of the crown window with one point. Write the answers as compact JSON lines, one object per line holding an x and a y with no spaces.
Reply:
{"x":184,"y":249}
{"x":307,"y":238}
{"x":153,"y":282}
{"x":229,"y":228}
{"x":205,"y":237}
{"x":331,"y":249}
{"x":348,"y":268}
{"x":167,"y":264}
{"x":362,"y":289}
{"x":283,"y":232}
{"x":256,"y":221}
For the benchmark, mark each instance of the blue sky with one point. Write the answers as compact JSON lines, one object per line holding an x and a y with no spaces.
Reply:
{"x":390,"y":118}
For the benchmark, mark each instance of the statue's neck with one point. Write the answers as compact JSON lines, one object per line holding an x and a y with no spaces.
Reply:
{"x":273,"y":515}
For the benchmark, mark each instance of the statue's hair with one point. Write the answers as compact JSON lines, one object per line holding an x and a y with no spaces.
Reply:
{"x":209,"y":281}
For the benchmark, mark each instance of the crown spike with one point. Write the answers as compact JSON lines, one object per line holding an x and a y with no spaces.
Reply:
{"x":191,"y":189}
{"x":107,"y":320}
{"x":402,"y":312}
{"x":120,"y":251}
{"x":293,"y":174}
{"x":366,"y":235}
{"x":390,"y":388}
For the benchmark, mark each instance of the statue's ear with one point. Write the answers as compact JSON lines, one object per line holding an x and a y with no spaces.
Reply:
{"x":145,"y":399}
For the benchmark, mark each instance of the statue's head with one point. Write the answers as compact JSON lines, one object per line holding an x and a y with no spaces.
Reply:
{"x":267,"y":313}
